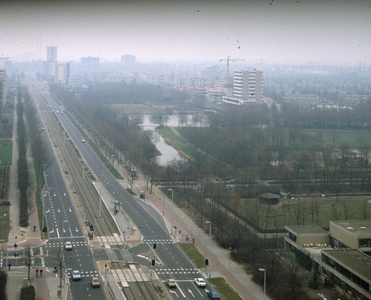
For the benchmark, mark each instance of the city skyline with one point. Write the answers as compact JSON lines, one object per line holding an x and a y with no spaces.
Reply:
{"x":273,"y":31}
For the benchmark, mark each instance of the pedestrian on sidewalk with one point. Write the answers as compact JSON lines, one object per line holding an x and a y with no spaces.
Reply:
{"x":41,"y":272}
{"x":37,"y":272}
{"x":9,"y":265}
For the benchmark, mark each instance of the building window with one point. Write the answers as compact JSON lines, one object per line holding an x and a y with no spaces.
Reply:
{"x":363,"y":243}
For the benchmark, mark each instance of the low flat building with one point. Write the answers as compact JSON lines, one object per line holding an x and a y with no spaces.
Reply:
{"x":341,"y":256}
{"x":349,"y":270}
{"x":351,"y":234}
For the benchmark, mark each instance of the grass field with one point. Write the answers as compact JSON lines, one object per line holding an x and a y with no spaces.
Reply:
{"x":224,"y":289}
{"x":10,"y":117}
{"x":175,"y":141}
{"x":6,"y":148}
{"x":194,"y":255}
{"x":334,"y":138}
{"x":346,"y":208}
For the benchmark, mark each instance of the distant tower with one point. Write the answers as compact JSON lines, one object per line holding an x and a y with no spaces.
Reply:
{"x":51,"y":53}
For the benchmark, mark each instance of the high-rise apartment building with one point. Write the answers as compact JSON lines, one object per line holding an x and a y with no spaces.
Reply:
{"x":247,"y":87}
{"x":51,"y":53}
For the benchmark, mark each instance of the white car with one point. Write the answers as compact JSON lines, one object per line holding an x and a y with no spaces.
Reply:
{"x":200,"y":282}
{"x":68,"y":246}
{"x":76,"y":275}
{"x":171,"y":283}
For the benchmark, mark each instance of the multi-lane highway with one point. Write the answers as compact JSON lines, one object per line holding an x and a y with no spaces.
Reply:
{"x":63,"y":225}
{"x":171,"y":262}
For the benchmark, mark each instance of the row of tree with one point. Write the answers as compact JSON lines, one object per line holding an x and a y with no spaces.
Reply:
{"x":23,"y":176}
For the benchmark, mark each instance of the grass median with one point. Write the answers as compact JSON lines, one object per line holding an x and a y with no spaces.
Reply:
{"x":219,"y":283}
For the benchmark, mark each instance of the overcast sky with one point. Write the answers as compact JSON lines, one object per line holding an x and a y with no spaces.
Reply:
{"x":268,"y":30}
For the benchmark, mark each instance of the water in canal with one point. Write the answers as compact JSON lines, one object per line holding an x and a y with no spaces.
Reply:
{"x":168,"y":152}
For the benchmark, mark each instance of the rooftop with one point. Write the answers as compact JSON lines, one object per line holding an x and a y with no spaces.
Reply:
{"x":358,"y":228}
{"x":306,"y":230}
{"x":353,"y":259}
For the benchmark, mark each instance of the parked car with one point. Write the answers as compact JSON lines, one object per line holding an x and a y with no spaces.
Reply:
{"x":200,"y":282}
{"x":213,"y":295}
{"x":76,"y":275}
{"x":171,"y":282}
{"x":95,"y":282}
{"x":68,"y":246}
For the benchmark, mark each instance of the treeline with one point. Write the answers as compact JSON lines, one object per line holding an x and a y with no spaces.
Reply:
{"x":40,"y":152}
{"x":23,"y":178}
{"x":111,"y":126}
{"x":240,"y":146}
{"x":30,"y":131}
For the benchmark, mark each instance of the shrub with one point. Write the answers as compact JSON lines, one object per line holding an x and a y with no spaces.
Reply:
{"x":3,"y":281}
{"x":28,"y":293}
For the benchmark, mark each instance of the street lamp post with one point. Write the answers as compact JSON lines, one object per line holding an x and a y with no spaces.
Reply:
{"x":2,"y":233}
{"x":265,"y":279}
{"x":209,"y":248}
{"x":172,"y":203}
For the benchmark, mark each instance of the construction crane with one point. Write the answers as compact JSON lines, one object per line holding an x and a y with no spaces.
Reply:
{"x":228,"y":59}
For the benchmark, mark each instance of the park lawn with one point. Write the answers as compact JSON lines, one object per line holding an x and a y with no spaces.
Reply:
{"x":10,"y":117}
{"x":175,"y":141}
{"x":6,"y":149}
{"x":328,"y":205}
{"x":224,"y":289}
{"x":194,"y":255}
{"x":330,"y":138}
{"x":335,"y":138}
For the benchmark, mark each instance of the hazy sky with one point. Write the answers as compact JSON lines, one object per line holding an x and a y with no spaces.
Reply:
{"x":275,"y":30}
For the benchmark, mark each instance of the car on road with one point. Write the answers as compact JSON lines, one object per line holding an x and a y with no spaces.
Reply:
{"x":68,"y":246}
{"x":76,"y":275}
{"x":213,"y":295}
{"x":82,"y":141}
{"x":171,"y":282}
{"x":95,"y":282}
{"x":200,"y":282}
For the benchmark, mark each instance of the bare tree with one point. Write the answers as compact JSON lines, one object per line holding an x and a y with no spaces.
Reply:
{"x":273,"y":262}
{"x":364,"y":210}
{"x":59,"y":260}
{"x":294,"y":277}
{"x":348,"y":209}
{"x":28,"y":258}
{"x":252,"y":210}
